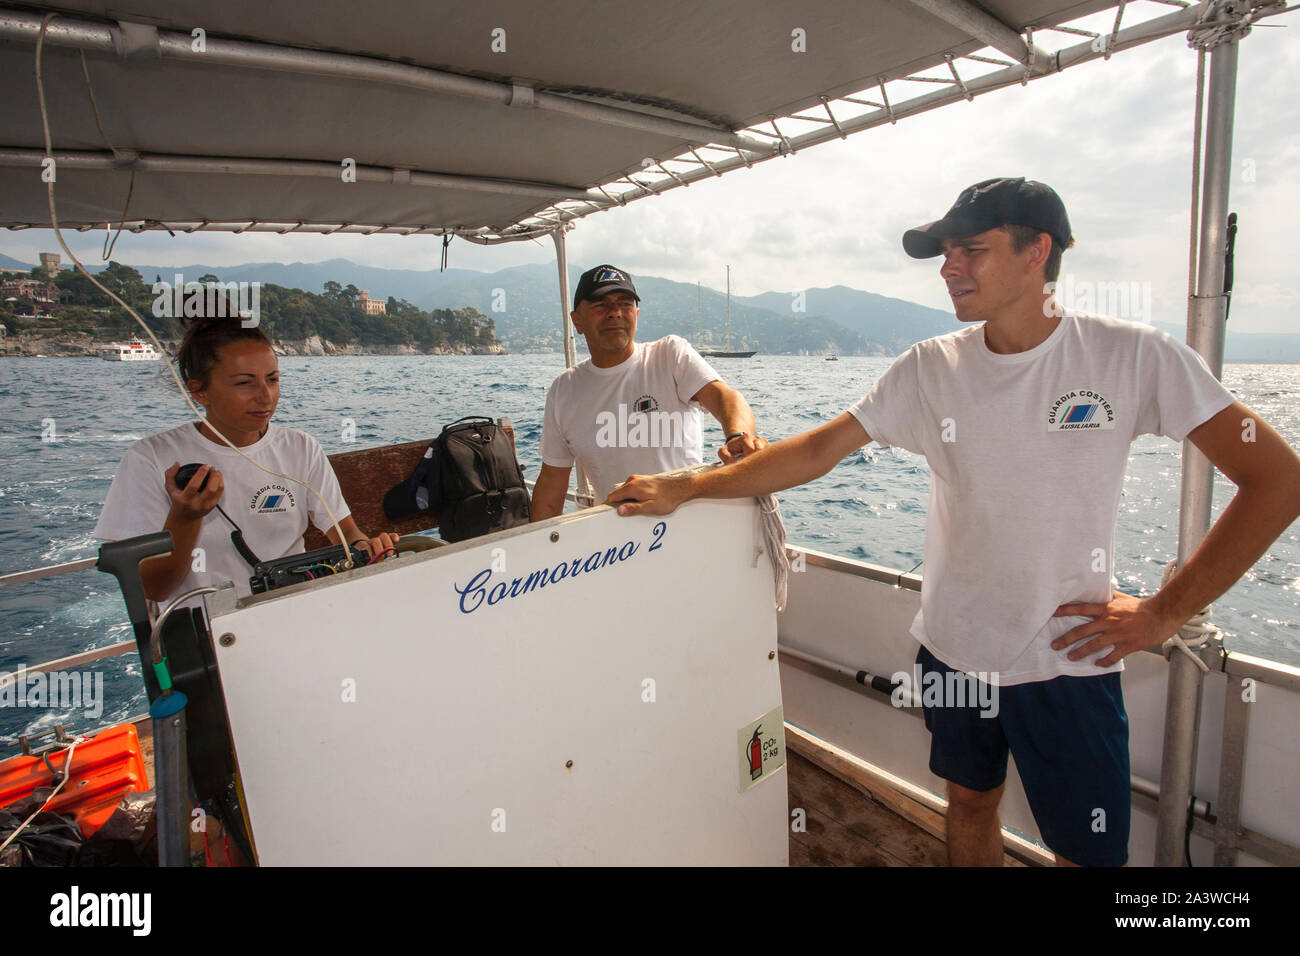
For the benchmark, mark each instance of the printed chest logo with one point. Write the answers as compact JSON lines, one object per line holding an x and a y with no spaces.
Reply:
{"x":646,"y":403}
{"x":1080,"y":410}
{"x":272,"y":499}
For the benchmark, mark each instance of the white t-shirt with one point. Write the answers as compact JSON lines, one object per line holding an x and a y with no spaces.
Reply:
{"x":636,"y":417}
{"x":271,"y":512}
{"x":1027,"y":454}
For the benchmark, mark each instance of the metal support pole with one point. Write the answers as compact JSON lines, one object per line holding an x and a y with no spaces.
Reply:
{"x":297,"y":168}
{"x":562,"y":261}
{"x":1232,"y":772}
{"x":975,"y":22}
{"x":67,"y":31}
{"x":570,"y":347}
{"x":172,"y":779}
{"x":1205,"y":334}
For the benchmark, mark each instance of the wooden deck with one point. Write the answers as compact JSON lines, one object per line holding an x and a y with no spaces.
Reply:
{"x":848,"y":825}
{"x":845,"y":827}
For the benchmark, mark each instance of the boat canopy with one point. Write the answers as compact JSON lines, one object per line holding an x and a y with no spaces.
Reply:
{"x":494,"y":121}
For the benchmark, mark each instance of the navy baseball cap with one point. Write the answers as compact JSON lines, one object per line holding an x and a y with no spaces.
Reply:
{"x":601,"y":281}
{"x":987,"y":205}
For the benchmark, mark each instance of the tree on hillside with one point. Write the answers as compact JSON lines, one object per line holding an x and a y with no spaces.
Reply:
{"x":286,"y":314}
{"x":487,"y":332}
{"x":76,"y":289}
{"x":125,"y":282}
{"x":401,"y":307}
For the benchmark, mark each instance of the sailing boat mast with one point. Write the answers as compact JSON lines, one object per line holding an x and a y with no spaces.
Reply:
{"x":728,"y":308}
{"x":725,"y":353}
{"x":699,"y":312}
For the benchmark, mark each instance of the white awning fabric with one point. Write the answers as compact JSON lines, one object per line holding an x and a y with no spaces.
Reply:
{"x":490,"y":120}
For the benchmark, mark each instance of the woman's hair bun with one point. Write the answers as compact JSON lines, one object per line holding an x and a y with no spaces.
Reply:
{"x":205,"y":335}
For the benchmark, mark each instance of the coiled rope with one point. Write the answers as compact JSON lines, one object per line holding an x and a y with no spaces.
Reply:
{"x":1196,"y":633}
{"x":774,"y":543}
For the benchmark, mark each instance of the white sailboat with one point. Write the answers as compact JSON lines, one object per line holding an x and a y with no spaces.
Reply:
{"x":728,"y":352}
{"x":547,"y":749}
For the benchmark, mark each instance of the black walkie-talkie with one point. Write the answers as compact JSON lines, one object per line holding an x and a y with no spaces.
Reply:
{"x":183,"y":476}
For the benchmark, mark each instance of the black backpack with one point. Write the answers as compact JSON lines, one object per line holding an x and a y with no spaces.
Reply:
{"x":470,"y":478}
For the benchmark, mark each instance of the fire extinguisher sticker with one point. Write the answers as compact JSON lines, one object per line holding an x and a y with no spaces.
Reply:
{"x":761,"y":746}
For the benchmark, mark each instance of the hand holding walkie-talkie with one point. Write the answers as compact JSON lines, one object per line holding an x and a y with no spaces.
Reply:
{"x":184,"y":475}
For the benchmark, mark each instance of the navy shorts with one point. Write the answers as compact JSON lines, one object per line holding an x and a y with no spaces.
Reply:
{"x":1069,"y":736}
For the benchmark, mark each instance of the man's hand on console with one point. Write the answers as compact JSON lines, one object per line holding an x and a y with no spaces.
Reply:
{"x":641,"y":495}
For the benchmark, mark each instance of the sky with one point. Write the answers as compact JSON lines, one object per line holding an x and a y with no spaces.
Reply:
{"x":1114,"y":138}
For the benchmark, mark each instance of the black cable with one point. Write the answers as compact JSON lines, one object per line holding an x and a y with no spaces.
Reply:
{"x":237,"y":539}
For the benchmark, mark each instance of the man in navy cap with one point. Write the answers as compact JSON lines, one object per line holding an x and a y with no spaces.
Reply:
{"x":631,"y":407}
{"x":1026,"y":419}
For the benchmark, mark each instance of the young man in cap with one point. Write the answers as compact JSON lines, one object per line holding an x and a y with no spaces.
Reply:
{"x":631,"y":407}
{"x":1026,"y":420}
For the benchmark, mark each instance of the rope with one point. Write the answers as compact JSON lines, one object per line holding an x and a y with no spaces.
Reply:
{"x":774,"y":542}
{"x":63,"y":779}
{"x":1196,"y":633}
{"x":110,"y":240}
{"x":58,"y":234}
{"x":85,"y":73}
{"x":583,"y":493}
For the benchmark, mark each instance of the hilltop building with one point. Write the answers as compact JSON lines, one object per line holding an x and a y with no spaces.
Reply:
{"x":372,"y":306}
{"x":46,"y":293}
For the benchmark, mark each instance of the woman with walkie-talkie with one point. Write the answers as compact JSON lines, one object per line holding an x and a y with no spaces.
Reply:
{"x":225,"y":513}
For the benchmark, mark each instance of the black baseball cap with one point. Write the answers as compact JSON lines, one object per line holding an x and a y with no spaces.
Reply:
{"x":987,"y":205}
{"x":601,"y":281}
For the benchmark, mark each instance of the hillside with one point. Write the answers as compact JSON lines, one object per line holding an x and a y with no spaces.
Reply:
{"x":334,"y":320}
{"x":523,"y":305}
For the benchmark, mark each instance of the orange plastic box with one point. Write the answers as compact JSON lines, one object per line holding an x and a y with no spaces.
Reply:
{"x":104,"y":769}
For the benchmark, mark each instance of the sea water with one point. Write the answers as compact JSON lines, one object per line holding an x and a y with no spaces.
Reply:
{"x":65,"y":424}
